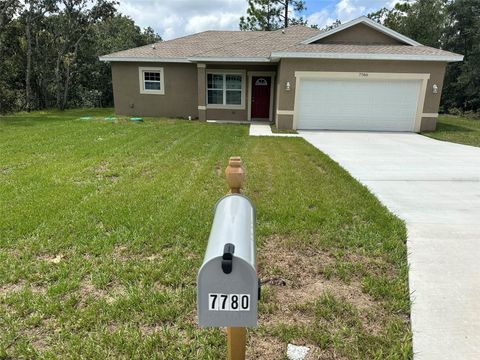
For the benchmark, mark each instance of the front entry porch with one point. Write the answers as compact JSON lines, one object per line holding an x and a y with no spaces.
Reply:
{"x":236,"y":92}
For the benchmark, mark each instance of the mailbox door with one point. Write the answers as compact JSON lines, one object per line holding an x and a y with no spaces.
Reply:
{"x":227,"y":300}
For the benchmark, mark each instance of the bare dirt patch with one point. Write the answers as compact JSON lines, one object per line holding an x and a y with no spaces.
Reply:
{"x":89,"y":290}
{"x":123,"y":253}
{"x":103,"y":172}
{"x":9,"y":289}
{"x":316,"y":353}
{"x":293,"y":279}
{"x":52,"y":259}
{"x":265,"y":347}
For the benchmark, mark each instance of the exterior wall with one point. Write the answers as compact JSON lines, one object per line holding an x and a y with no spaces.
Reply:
{"x":287,"y":68}
{"x":428,"y":124}
{"x":359,"y":34}
{"x":284,"y":122}
{"x":201,"y":90}
{"x":180,"y":99}
{"x":236,"y":114}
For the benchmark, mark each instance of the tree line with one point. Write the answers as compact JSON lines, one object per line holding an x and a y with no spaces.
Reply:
{"x":452,"y":25}
{"x":49,"y":48}
{"x":49,"y":52}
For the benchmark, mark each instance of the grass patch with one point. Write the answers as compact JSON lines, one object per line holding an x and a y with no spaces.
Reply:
{"x":275,"y":130}
{"x":103,"y":225}
{"x":457,"y":129}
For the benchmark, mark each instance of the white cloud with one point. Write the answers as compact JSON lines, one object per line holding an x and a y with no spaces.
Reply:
{"x":349,"y":9}
{"x":346,"y":10}
{"x":179,"y":17}
{"x":174,"y":18}
{"x":321,"y":18}
{"x":226,"y":21}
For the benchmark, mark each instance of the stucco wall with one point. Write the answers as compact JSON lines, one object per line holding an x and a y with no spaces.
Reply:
{"x":180,"y":99}
{"x":288,"y":67}
{"x":359,"y":34}
{"x":183,"y":91}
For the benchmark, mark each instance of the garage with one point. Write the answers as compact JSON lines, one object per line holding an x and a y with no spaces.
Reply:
{"x":358,"y":101}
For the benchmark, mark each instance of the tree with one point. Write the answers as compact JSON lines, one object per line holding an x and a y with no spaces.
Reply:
{"x":422,"y":20}
{"x":462,"y":35}
{"x":70,"y":27}
{"x":8,"y":9}
{"x":11,"y":63}
{"x":34,"y":11}
{"x":114,"y":34}
{"x":298,"y":6}
{"x":452,"y":25}
{"x":52,"y":53}
{"x":271,"y":14}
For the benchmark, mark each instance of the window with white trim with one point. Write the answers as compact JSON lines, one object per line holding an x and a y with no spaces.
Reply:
{"x":225,"y":89}
{"x":151,"y":80}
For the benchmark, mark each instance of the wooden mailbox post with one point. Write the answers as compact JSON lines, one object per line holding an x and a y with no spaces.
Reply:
{"x":236,"y":336}
{"x":227,"y":284}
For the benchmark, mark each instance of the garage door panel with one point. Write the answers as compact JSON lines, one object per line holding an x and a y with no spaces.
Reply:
{"x":383,"y":105}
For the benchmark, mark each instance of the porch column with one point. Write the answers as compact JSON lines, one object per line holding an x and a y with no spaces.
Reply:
{"x":201,"y":83}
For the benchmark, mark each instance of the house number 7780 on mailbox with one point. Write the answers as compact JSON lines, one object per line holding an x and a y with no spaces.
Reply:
{"x":229,"y":302}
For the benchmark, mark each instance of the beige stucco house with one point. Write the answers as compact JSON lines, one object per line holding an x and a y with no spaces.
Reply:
{"x":358,"y":76}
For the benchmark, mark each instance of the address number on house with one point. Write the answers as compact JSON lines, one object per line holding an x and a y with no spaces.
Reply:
{"x":229,"y":302}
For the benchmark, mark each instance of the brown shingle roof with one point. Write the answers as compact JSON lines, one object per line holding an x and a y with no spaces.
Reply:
{"x":262,"y":45}
{"x":222,"y":44}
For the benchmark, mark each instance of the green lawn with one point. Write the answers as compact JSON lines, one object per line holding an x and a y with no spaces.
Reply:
{"x":103,"y":226}
{"x":457,"y":129}
{"x":275,"y":130}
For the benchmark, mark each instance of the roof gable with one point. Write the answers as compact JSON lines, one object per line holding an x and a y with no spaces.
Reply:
{"x":401,"y":39}
{"x":360,"y":34}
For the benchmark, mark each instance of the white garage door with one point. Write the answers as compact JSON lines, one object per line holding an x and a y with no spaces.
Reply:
{"x":344,"y":104}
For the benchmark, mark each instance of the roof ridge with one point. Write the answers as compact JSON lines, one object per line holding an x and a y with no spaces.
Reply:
{"x":299,"y":43}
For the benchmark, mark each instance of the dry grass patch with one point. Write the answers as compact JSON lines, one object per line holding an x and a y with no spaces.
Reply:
{"x":301,"y":300}
{"x":12,"y":288}
{"x":265,"y":348}
{"x":88,"y":290}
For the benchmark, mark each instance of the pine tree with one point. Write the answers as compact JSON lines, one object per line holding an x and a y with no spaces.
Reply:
{"x":272,"y":14}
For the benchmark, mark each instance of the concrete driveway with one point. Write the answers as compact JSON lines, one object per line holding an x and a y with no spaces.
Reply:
{"x":435,"y":187}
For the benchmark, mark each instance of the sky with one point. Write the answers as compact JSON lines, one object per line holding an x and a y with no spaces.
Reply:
{"x":174,"y":18}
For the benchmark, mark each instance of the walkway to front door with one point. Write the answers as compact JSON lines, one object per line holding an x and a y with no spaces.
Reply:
{"x":261,"y":97}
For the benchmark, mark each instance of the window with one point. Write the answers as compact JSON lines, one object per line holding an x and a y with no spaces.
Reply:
{"x":225,"y":90}
{"x":261,"y":82}
{"x":151,"y":81}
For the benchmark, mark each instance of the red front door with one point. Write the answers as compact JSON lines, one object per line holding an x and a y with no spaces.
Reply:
{"x":261,"y":97}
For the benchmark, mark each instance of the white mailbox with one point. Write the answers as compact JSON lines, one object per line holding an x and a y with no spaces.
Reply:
{"x":227,"y":284}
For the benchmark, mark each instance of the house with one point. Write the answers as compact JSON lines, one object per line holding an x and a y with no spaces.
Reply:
{"x":358,"y":76}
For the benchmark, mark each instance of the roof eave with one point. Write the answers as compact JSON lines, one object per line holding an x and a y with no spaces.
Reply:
{"x":366,"y":56}
{"x":185,"y":60}
{"x":142,"y":59}
{"x":228,"y":59}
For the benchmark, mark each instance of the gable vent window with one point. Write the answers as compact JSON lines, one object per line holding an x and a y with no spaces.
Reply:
{"x":225,"y":90}
{"x":151,"y":81}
